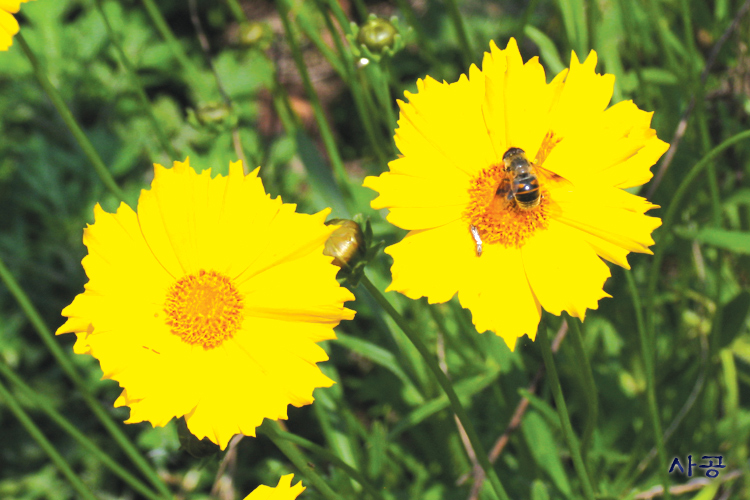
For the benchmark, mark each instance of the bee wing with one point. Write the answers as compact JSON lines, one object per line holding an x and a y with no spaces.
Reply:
{"x":551,"y":180}
{"x":503,"y":194}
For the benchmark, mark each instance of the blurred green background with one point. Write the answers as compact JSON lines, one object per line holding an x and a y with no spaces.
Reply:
{"x":240,"y":93}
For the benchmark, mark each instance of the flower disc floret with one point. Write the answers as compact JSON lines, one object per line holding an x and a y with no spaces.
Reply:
{"x":204,"y":309}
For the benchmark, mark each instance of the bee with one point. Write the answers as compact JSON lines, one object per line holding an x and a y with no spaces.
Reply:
{"x":520,"y":186}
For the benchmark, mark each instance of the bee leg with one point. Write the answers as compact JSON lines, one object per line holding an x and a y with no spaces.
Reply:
{"x":477,"y":239}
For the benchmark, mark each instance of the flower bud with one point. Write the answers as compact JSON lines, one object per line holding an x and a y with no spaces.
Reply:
{"x":346,"y":244}
{"x":213,"y":113}
{"x":254,"y":34}
{"x":377,"y":34}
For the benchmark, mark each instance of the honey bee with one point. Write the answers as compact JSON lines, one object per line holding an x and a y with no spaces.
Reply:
{"x":522,"y":182}
{"x":520,"y":186}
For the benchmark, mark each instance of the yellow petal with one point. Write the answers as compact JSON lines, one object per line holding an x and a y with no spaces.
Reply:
{"x":583,"y":97}
{"x":8,"y":28}
{"x":432,"y":263}
{"x":283,"y":491}
{"x":443,"y":122}
{"x":519,"y":121}
{"x":497,"y":293}
{"x":564,"y":271}
{"x":608,"y":216}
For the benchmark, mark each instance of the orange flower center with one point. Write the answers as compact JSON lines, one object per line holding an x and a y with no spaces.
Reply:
{"x":497,"y":216}
{"x":204,"y":309}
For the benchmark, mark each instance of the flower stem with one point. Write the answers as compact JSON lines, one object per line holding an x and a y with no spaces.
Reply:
{"x":458,"y":409}
{"x":562,"y":410}
{"x":463,"y":39}
{"x":42,"y":441}
{"x":40,"y":402}
{"x":648,"y":355}
{"x":270,"y":428}
{"x":146,"y":107}
{"x":367,"y":117}
{"x":67,"y":366}
{"x":325,"y":130}
{"x":592,"y":397}
{"x":67,"y":116}
{"x":166,"y":33}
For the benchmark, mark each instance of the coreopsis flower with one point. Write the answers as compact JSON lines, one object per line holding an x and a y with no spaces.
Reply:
{"x":512,"y":189}
{"x":8,"y":24}
{"x":208,"y":302}
{"x":283,"y":491}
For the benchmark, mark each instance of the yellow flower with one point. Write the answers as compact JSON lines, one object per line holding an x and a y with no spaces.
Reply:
{"x":475,"y":232}
{"x":8,"y":24}
{"x":208,"y":302}
{"x":283,"y":491}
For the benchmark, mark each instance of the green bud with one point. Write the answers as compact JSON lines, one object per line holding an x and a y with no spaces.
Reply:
{"x":377,"y":34}
{"x":213,"y":113}
{"x":254,"y":34}
{"x":346,"y":244}
{"x":376,"y":38}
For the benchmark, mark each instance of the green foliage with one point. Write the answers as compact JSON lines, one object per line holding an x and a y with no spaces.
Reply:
{"x":386,"y":417}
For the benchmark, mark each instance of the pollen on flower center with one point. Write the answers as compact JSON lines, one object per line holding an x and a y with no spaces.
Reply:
{"x":204,"y":309}
{"x":498,"y":218}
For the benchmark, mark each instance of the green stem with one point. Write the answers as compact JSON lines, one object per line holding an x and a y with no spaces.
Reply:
{"x":463,"y":39}
{"x":270,"y":428}
{"x":166,"y":33}
{"x":592,"y":397}
{"x":530,"y":9}
{"x":67,"y":116}
{"x":648,"y":355}
{"x":340,"y":16}
{"x":325,"y":130}
{"x":42,"y":441}
{"x":562,"y":410}
{"x":368,"y":119}
{"x":40,"y":402}
{"x":426,"y":47}
{"x":331,"y":457}
{"x":146,"y":107}
{"x":442,"y":379}
{"x":311,"y":31}
{"x":381,"y":77}
{"x":67,"y":366}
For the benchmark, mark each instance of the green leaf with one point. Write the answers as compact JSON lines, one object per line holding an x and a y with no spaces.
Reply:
{"x":734,"y":241}
{"x":539,"y":490}
{"x":733,"y":317}
{"x":547,"y":49}
{"x":541,"y":444}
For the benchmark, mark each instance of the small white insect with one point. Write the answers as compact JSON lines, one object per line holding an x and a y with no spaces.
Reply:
{"x":477,"y":239}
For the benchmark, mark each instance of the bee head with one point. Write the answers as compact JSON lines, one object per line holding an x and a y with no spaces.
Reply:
{"x":513,"y":152}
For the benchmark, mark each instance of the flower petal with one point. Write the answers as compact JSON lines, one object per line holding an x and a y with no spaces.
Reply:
{"x":517,"y":100}
{"x":564,"y":271}
{"x":583,"y":97}
{"x":443,"y":124}
{"x":432,"y":263}
{"x":283,"y":491}
{"x":498,"y":294}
